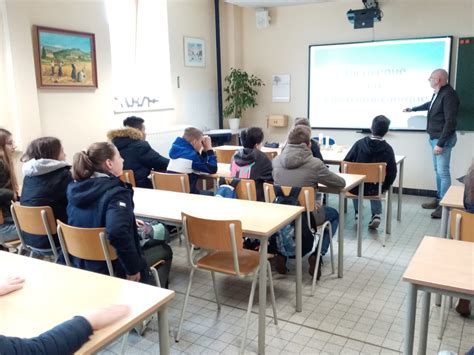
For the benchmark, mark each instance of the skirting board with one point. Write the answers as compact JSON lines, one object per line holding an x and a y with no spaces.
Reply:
{"x":416,"y":192}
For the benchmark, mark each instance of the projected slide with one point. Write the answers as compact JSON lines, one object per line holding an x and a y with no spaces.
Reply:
{"x":350,"y":84}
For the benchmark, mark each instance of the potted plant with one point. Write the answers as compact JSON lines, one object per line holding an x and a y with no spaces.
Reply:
{"x":241,"y":95}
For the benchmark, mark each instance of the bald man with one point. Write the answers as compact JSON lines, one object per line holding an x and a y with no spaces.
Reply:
{"x":441,"y":127}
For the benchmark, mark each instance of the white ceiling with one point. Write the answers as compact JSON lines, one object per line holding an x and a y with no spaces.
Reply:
{"x":272,"y":3}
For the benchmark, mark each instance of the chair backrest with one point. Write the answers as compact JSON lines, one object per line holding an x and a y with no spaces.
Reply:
{"x":462,"y":225}
{"x":37,"y":220}
{"x":374,"y":172}
{"x":271,"y":155}
{"x":208,"y":234}
{"x":245,"y":189}
{"x":128,"y":176}
{"x":225,"y":155}
{"x":170,"y":182}
{"x":86,"y":243}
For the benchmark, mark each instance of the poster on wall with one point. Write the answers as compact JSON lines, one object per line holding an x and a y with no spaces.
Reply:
{"x":194,"y":52}
{"x":64,"y":58}
{"x":281,"y":88}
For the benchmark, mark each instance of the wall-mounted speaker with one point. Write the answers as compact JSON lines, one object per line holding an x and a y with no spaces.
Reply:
{"x":262,"y":18}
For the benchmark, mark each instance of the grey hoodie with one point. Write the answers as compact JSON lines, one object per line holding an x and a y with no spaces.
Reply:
{"x":296,"y":166}
{"x":35,"y":167}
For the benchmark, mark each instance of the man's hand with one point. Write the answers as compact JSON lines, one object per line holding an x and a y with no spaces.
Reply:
{"x":206,"y":142}
{"x":11,"y":284}
{"x":437,"y":150}
{"x":407,"y":109}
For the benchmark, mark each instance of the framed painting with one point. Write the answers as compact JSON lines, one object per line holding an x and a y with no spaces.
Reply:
{"x":64,"y":59}
{"x":194,"y":52}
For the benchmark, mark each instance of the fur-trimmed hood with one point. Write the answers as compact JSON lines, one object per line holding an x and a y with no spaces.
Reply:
{"x":127,"y":132}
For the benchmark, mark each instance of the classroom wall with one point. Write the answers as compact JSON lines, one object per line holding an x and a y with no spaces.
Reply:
{"x":80,"y":117}
{"x":282,"y":48}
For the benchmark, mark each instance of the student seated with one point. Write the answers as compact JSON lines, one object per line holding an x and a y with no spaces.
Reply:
{"x":8,"y":187}
{"x":137,"y":153}
{"x":374,"y":149}
{"x":98,"y":198}
{"x":192,"y":154}
{"x":314,"y":143}
{"x":296,"y":166}
{"x":46,"y":176}
{"x":250,"y":163}
{"x":65,"y":338}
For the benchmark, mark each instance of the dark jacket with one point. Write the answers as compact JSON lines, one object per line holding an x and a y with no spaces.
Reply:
{"x":373,"y":150}
{"x":261,"y":171}
{"x":44,"y":184}
{"x":105,"y":201}
{"x":65,"y":338}
{"x":6,"y":193}
{"x":185,"y":159}
{"x":469,"y":190}
{"x":315,"y":149}
{"x":442,"y":117}
{"x":137,"y":154}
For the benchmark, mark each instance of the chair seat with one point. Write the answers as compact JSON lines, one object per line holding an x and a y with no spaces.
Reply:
{"x":222,"y":261}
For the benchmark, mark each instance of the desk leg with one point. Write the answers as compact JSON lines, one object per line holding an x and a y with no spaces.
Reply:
{"x":410,"y":319}
{"x":425,"y":316}
{"x":262,"y":295}
{"x":400,"y":191}
{"x":163,"y":329}
{"x":299,"y":266}
{"x":443,"y":233}
{"x":389,"y":210}
{"x":359,"y":220}
{"x":340,"y":256}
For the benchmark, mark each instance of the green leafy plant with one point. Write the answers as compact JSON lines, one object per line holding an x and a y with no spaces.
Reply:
{"x":241,"y":93}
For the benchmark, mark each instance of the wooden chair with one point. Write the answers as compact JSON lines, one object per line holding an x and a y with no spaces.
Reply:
{"x":461,"y":227}
{"x":38,"y":220}
{"x":245,"y":189}
{"x":225,"y":155}
{"x":170,"y":182}
{"x":306,"y":199}
{"x":92,"y":244}
{"x":271,"y":155}
{"x":129,"y":177}
{"x":374,"y":173}
{"x":221,"y":251}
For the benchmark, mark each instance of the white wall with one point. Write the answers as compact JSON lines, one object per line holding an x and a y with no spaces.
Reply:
{"x":283,"y":48}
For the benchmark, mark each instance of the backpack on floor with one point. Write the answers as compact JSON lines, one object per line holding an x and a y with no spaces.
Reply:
{"x":227,"y":190}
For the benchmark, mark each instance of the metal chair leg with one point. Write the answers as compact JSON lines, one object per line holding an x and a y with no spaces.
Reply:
{"x":249,"y":310}
{"x":316,"y":267}
{"x":124,"y":343}
{"x":215,"y":290}
{"x":272,"y":293}
{"x":188,"y":290}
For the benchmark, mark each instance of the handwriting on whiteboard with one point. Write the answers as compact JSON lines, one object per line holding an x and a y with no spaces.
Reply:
{"x":139,"y":104}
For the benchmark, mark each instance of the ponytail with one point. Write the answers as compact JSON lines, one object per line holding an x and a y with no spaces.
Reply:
{"x":86,"y":163}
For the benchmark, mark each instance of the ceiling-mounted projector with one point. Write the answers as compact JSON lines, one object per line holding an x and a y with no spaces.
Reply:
{"x":365,"y":18}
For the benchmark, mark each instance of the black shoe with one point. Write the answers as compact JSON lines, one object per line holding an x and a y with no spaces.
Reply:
{"x":312,"y":265}
{"x":464,"y":308}
{"x":375,"y":221}
{"x":431,"y":205}
{"x":280,"y":264}
{"x":437,"y":212}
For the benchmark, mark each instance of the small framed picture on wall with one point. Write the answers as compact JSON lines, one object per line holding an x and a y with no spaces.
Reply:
{"x":194,"y":52}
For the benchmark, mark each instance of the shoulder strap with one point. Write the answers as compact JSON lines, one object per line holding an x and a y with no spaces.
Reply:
{"x":278,"y":191}
{"x":234,"y":182}
{"x":295,"y":192}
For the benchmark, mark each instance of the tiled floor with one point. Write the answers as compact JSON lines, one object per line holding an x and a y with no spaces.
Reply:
{"x":362,"y":313}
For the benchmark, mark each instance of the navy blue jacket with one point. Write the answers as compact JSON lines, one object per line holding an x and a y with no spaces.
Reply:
{"x":45,"y":184}
{"x":370,"y":150}
{"x":105,"y":201}
{"x":137,"y":154}
{"x":185,"y":159}
{"x":65,"y":338}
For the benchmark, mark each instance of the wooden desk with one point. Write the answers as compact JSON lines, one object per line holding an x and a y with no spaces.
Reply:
{"x":335,"y":157}
{"x":259,"y":220}
{"x":237,"y":147}
{"x":351,"y":182}
{"x":454,"y":276}
{"x":55,"y":293}
{"x":454,"y":198}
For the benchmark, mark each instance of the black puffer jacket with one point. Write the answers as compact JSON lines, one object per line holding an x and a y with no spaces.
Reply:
{"x":45,"y":184}
{"x":137,"y":154}
{"x":261,"y":171}
{"x":6,"y":193}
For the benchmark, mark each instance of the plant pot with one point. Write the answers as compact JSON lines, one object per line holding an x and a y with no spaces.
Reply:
{"x":234,"y":124}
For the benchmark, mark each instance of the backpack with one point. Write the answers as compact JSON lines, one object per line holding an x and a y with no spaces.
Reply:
{"x":242,"y":172}
{"x":283,"y":242}
{"x":227,"y":190}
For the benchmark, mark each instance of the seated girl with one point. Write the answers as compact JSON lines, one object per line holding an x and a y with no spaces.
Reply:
{"x":98,"y":198}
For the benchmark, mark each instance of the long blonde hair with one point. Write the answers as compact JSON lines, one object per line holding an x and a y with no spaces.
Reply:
{"x":6,"y":158}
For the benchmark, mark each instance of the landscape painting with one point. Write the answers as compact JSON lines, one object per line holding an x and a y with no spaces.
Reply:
{"x":65,"y":58}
